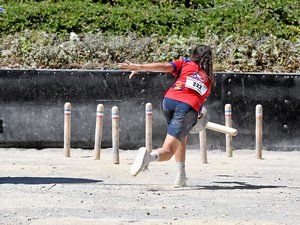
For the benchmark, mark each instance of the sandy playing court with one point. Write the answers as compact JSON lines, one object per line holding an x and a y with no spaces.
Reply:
{"x":44,"y":187}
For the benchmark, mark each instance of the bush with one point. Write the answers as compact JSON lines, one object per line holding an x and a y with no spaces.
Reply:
{"x":100,"y":51}
{"x":162,"y":17}
{"x":246,"y":35}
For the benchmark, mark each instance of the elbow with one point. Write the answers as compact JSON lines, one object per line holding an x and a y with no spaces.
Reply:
{"x":167,"y":67}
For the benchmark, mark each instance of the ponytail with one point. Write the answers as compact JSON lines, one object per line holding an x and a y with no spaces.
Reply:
{"x":202,"y":55}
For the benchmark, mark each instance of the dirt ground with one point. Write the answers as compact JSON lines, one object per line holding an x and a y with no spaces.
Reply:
{"x":44,"y":187}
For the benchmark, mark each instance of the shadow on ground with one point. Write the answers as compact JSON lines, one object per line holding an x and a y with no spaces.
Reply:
{"x":233,"y":186}
{"x":45,"y":180}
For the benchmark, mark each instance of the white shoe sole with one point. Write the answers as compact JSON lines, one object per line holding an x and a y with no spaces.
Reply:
{"x":140,"y":162}
{"x":180,"y":183}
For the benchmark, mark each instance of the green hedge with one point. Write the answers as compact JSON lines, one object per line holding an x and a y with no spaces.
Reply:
{"x":245,"y":35}
{"x":162,"y":17}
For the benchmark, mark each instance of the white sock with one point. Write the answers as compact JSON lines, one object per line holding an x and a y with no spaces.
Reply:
{"x":154,"y":156}
{"x":180,"y":169}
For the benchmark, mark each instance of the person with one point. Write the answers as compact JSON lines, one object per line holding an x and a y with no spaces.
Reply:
{"x":181,"y":106}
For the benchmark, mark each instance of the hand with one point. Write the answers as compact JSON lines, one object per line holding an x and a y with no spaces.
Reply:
{"x":200,"y":115}
{"x":130,"y":67}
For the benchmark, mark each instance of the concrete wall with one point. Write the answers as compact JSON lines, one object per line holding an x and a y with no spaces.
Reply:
{"x":31,"y":107}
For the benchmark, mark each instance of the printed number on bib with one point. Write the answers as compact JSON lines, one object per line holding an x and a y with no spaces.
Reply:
{"x":196,"y":85}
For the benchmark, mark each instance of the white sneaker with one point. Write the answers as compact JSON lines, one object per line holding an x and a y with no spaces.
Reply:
{"x":141,"y":161}
{"x":180,"y":182}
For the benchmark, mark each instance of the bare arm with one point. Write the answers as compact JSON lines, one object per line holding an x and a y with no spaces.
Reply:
{"x":154,"y":67}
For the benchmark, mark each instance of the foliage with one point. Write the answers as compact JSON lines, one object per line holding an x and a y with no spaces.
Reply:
{"x":162,"y":17}
{"x":249,"y":35}
{"x":100,"y":51}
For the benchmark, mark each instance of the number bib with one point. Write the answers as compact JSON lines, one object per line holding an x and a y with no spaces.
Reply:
{"x":196,"y":85}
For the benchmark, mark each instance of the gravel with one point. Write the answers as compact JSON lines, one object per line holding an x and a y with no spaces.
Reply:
{"x":44,"y":187}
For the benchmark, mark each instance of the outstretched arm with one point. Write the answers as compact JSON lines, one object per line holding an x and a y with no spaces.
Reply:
{"x":154,"y":67}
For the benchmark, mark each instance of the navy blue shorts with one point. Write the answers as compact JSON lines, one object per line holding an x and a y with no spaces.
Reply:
{"x":180,"y":117}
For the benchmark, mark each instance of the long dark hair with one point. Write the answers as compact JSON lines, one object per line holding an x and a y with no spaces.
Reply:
{"x":202,"y":55}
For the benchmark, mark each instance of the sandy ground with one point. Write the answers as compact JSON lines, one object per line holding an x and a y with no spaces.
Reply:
{"x":44,"y":187}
